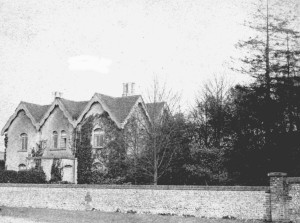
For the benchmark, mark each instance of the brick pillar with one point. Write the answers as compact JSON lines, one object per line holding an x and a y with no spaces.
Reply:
{"x":278,"y":197}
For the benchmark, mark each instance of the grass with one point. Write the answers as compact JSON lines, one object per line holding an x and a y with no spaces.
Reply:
{"x":61,"y":216}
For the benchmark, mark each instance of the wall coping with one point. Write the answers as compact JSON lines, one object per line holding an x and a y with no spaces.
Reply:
{"x":293,"y":179}
{"x":277,"y":174}
{"x":143,"y":187}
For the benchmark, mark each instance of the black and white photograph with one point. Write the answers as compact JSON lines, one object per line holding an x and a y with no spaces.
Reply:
{"x":149,"y":111}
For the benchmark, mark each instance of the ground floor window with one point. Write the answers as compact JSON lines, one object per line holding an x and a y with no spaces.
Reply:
{"x":22,"y":167}
{"x":38,"y":164}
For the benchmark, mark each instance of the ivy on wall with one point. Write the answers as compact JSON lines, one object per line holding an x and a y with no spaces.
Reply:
{"x":40,"y":148}
{"x":112,"y":156}
{"x":84,"y":151}
{"x":5,"y":148}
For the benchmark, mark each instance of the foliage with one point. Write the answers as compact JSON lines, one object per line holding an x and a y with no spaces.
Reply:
{"x":2,"y":165}
{"x":5,"y":148}
{"x":161,"y":132}
{"x":56,"y":175}
{"x":84,"y":152}
{"x":40,"y":148}
{"x":265,"y":120}
{"x":24,"y":176}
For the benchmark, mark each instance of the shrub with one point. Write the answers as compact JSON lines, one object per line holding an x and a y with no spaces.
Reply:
{"x":8,"y":176}
{"x":56,"y":171}
{"x":32,"y":176}
{"x":2,"y":165}
{"x":24,"y":176}
{"x":98,"y":177}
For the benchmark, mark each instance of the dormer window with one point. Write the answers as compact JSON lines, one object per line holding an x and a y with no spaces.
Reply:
{"x":63,"y":139}
{"x":24,"y":141}
{"x":98,"y":136}
{"x":55,"y":139}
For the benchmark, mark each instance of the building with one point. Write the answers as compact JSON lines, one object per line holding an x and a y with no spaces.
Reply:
{"x":39,"y":135}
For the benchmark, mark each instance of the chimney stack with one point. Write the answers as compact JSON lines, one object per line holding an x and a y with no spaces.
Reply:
{"x":57,"y":94}
{"x":128,"y":89}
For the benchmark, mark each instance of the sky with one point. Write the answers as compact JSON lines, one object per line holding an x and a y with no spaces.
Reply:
{"x":80,"y":47}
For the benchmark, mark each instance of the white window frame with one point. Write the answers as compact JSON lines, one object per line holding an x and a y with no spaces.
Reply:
{"x":24,"y":141}
{"x":55,"y":139}
{"x":98,"y":138}
{"x":63,"y":139}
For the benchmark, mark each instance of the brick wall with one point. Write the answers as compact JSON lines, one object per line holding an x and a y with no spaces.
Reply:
{"x":284,"y":198}
{"x":209,"y":202}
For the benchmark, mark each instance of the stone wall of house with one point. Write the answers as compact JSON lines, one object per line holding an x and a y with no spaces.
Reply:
{"x":15,"y":155}
{"x":200,"y":201}
{"x":58,"y":122}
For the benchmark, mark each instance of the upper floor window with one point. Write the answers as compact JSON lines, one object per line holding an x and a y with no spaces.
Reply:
{"x":55,"y":139}
{"x":98,"y":138}
{"x":24,"y":141}
{"x":63,"y":139}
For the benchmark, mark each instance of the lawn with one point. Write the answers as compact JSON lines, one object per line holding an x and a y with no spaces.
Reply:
{"x":32,"y":215}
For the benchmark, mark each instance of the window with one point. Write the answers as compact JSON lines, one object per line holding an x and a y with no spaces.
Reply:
{"x":98,"y":138}
{"x":22,"y":167}
{"x":24,"y":141}
{"x":55,"y":139}
{"x":63,"y":141}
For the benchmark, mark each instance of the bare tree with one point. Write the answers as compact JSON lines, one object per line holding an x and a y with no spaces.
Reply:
{"x":159,"y":136}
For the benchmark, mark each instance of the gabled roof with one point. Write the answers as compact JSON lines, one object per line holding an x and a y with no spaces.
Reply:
{"x":74,"y":107}
{"x":71,"y":110}
{"x":37,"y":111}
{"x":33,"y":111}
{"x":155,"y":109}
{"x":118,"y":108}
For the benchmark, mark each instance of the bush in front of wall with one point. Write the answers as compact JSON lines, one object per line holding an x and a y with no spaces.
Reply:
{"x":8,"y":176}
{"x":32,"y":176}
{"x":2,"y":165}
{"x":25,"y":176}
{"x":56,"y":175}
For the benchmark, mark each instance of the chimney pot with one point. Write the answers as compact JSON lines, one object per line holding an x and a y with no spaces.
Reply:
{"x":128,"y":89}
{"x":57,"y":94}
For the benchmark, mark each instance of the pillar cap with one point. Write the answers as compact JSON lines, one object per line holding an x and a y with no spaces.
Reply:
{"x":277,"y":174}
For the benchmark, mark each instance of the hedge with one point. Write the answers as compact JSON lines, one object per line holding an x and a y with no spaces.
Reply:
{"x":24,"y":176}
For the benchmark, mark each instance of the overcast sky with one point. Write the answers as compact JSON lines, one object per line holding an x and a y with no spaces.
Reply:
{"x":80,"y":47}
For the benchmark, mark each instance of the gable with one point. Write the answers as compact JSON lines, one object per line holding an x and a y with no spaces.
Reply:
{"x":21,"y":124}
{"x":96,"y":108}
{"x":63,"y":105}
{"x":155,"y":110}
{"x":21,"y":107}
{"x":119,"y":109}
{"x":56,"y":121}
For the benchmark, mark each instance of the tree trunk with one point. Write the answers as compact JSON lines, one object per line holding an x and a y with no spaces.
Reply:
{"x":155,"y":176}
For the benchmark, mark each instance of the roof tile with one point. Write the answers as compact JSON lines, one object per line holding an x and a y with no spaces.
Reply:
{"x":37,"y":111}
